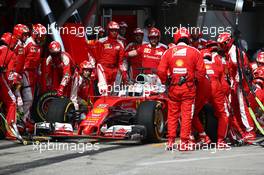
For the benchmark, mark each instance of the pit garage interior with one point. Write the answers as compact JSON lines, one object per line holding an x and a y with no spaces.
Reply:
{"x":165,"y":13}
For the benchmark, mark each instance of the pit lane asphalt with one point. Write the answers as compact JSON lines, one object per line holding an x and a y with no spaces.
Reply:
{"x":126,"y":158}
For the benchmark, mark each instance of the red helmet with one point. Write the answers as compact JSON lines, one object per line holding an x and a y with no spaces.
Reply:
{"x":138,"y":31}
{"x":54,"y":47}
{"x":171,"y":45}
{"x":9,"y":39}
{"x":196,"y":33}
{"x":225,"y":40}
{"x":6,"y":37}
{"x":180,"y":34}
{"x":86,"y":65}
{"x":101,"y":29}
{"x":224,"y":37}
{"x":259,"y":73}
{"x":123,"y":24}
{"x":206,"y":53}
{"x":154,"y":32}
{"x":19,"y":30}
{"x":39,"y":32}
{"x":113,"y":25}
{"x":212,"y":45}
{"x":260,"y":58}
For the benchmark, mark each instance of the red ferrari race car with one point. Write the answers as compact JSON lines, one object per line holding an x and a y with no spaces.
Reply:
{"x":138,"y":112}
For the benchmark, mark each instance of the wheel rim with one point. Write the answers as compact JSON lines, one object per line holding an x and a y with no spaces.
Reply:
{"x":159,"y":123}
{"x":69,"y":107}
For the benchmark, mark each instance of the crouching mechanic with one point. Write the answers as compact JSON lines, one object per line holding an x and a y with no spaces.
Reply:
{"x":58,"y":69}
{"x":9,"y":81}
{"x":185,"y":63}
{"x":82,"y":90}
{"x":109,"y":55}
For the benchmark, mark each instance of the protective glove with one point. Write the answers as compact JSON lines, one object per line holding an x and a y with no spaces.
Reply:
{"x":15,"y":78}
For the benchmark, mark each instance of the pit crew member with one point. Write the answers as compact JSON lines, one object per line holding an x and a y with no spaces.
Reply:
{"x":185,"y":63}
{"x":58,"y":69}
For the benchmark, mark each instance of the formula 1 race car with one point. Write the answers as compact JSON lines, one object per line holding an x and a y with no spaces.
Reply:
{"x":137,"y":112}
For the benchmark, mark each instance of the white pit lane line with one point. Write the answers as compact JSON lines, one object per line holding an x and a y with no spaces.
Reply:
{"x":197,"y":159}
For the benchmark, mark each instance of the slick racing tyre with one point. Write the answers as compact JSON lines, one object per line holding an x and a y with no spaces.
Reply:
{"x":43,"y":105}
{"x":150,"y":115}
{"x":58,"y":110}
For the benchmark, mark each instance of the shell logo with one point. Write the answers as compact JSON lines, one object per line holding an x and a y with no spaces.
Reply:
{"x":179,"y":63}
{"x":207,"y":66}
{"x":98,"y":110}
{"x":107,"y":46}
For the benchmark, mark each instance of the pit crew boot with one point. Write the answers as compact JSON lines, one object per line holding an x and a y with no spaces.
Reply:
{"x":221,"y":144}
{"x":10,"y":136}
{"x":249,"y":137}
{"x":170,"y":144}
{"x":204,"y":139}
{"x":186,"y":145}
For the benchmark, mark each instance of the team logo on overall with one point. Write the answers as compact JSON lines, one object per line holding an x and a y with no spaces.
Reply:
{"x":180,"y":52}
{"x":158,"y":53}
{"x":209,"y":69}
{"x":179,"y":63}
{"x":147,"y":50}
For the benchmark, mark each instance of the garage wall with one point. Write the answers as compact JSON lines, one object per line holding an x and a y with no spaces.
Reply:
{"x":184,"y":13}
{"x":251,"y":24}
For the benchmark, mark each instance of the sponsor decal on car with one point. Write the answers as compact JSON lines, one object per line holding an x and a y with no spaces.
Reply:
{"x":102,"y":105}
{"x":98,"y":110}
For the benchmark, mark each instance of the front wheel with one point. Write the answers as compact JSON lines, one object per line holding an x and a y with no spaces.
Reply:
{"x":59,"y":109}
{"x":43,"y":105}
{"x":150,"y":115}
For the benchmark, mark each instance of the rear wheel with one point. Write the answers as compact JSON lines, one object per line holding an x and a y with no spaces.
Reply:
{"x":150,"y":115}
{"x":58,"y":110}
